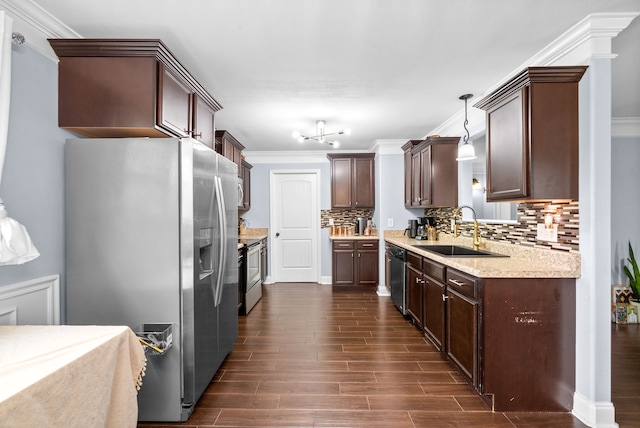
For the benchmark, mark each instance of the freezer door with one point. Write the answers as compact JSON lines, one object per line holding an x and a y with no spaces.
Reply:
{"x":200,"y":312}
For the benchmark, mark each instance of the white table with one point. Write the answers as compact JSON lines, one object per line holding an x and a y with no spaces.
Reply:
{"x":69,"y":376}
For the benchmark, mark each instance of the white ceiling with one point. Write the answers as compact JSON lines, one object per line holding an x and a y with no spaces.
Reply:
{"x":387,"y":69}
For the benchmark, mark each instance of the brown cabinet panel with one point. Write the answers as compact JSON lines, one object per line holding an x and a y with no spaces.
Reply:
{"x":231,"y":148}
{"x":431,"y":172}
{"x":462,"y":334}
{"x":174,"y":103}
{"x":246,"y":185}
{"x":532,"y":135}
{"x":352,"y":180}
{"x":415,"y":299}
{"x":355,"y":262}
{"x":341,"y":179}
{"x":125,"y":88}
{"x":433,"y":311}
{"x":203,"y":122}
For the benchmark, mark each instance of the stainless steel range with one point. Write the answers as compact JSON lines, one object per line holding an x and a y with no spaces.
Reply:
{"x":253,"y":269}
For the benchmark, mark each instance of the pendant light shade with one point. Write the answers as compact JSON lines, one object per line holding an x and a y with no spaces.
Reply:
{"x":466,"y":151}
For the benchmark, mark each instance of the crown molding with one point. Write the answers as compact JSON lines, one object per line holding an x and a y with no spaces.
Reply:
{"x":286,"y":157}
{"x":588,"y":39}
{"x":625,"y":127}
{"x":36,"y":25}
{"x":388,"y":147}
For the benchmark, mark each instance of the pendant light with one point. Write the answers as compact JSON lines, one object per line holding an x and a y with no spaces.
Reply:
{"x":466,"y":151}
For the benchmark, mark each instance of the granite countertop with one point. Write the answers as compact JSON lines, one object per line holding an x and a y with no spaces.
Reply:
{"x":354,"y":237}
{"x":523,"y":262}
{"x":250,"y":235}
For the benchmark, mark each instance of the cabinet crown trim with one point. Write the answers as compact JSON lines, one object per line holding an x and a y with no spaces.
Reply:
{"x":532,"y":75}
{"x":131,"y":48}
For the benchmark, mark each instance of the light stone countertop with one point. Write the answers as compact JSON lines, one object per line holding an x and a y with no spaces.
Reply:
{"x":354,"y":237}
{"x":523,"y":262}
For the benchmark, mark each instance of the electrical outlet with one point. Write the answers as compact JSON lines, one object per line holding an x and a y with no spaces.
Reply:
{"x":547,"y":234}
{"x":330,"y":222}
{"x":389,"y":222}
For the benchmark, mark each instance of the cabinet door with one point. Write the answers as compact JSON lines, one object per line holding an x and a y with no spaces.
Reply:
{"x":246,"y":187}
{"x":203,"y":122}
{"x":364,"y":183}
{"x":367,"y":263}
{"x":444,"y":175}
{"x":341,"y":186}
{"x":425,"y":177}
{"x":508,"y":149}
{"x":433,"y":311}
{"x":414,"y":294}
{"x":174,"y":103}
{"x":408,"y":191}
{"x":343,"y":269}
{"x":416,"y":180}
{"x":462,"y":334}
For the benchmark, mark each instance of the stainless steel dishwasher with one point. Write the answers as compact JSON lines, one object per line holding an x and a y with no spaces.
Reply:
{"x":398,"y":258}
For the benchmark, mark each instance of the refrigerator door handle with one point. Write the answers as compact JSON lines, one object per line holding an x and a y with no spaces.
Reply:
{"x":222,"y":220}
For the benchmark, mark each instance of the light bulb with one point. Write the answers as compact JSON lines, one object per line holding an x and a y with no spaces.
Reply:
{"x":336,"y":144}
{"x":295,"y":134}
{"x":300,"y":139}
{"x":347,"y":131}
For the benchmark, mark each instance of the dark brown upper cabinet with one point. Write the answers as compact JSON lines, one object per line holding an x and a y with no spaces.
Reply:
{"x":129,"y":88}
{"x":532,"y":135}
{"x":431,"y":172}
{"x":352,"y":180}
{"x":229,"y":147}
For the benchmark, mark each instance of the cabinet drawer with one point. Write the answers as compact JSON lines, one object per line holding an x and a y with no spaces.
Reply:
{"x":462,"y":283}
{"x":367,"y":245}
{"x":343,"y":245}
{"x":414,"y":260}
{"x":433,"y":269}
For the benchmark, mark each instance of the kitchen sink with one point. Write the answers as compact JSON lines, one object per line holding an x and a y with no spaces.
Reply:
{"x":457,"y":251}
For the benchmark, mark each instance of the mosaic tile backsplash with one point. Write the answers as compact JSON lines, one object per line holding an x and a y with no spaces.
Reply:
{"x":346,"y":217}
{"x":565,"y":215}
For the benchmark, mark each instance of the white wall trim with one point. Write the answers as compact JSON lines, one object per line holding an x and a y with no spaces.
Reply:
{"x":625,"y":127}
{"x":587,"y":411}
{"x":286,"y":157}
{"x":44,"y":291}
{"x":36,"y":25}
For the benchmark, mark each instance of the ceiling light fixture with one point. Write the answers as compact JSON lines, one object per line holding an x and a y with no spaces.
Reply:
{"x":466,"y":151}
{"x":321,"y":135}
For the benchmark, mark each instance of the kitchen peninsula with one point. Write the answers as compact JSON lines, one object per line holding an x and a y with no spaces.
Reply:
{"x":507,"y":323}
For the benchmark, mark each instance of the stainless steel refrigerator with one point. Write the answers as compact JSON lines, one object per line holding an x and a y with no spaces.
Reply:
{"x":151,"y":238}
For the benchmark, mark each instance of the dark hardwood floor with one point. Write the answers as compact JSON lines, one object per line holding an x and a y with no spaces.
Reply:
{"x":313,"y":355}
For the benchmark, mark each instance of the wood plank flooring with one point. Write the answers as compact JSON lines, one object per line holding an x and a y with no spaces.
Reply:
{"x":313,"y":355}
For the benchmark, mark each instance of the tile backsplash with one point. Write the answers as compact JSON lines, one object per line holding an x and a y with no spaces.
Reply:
{"x":565,"y":215}
{"x":346,"y":217}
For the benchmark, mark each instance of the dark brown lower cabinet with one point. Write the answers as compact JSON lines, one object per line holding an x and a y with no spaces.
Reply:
{"x":414,"y":288}
{"x":355,"y":262}
{"x":433,"y":311}
{"x":462,"y":334}
{"x":513,"y":339}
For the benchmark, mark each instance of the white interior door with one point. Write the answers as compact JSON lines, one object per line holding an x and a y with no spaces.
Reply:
{"x":295,"y":225}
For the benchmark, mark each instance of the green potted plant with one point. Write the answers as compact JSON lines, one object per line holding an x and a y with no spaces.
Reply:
{"x":633,"y":273}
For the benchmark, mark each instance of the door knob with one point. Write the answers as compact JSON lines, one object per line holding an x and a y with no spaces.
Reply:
{"x":277,"y":234}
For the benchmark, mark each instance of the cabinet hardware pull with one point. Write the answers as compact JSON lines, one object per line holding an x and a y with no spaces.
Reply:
{"x":444,"y":298}
{"x":458,"y":283}
{"x":198,"y":135}
{"x":343,"y":245}
{"x":367,"y":245}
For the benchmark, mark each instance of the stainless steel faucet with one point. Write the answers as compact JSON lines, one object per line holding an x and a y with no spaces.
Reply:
{"x":476,"y":236}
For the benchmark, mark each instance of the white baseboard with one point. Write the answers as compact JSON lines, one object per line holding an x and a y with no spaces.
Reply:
{"x":325,"y":280}
{"x":382,"y":291}
{"x":33,"y":302}
{"x":594,"y":414}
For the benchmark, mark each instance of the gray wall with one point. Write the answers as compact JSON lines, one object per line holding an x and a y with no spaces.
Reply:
{"x":258,"y":215}
{"x":33,"y":178}
{"x":625,"y":204}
